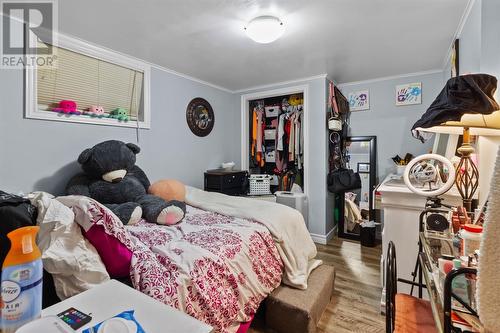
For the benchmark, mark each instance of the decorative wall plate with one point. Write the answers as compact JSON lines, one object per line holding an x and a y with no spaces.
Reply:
{"x":200,"y":117}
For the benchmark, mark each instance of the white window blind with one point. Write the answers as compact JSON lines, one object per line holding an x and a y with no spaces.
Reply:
{"x":90,"y":81}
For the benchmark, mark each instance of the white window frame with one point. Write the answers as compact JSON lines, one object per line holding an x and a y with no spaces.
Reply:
{"x":76,"y":45}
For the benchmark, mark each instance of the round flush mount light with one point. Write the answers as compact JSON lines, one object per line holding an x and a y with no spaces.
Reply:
{"x":265,"y":29}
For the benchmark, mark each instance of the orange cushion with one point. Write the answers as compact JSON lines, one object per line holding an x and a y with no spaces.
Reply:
{"x":413,"y":315}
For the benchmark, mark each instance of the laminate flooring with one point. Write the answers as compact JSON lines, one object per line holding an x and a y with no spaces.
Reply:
{"x":355,"y":305}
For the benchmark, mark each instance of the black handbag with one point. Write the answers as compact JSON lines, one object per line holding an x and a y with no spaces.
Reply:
{"x":342,"y":180}
{"x":15,"y":212}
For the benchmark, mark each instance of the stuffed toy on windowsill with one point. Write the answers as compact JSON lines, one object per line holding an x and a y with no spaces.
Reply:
{"x":111,"y":177}
{"x":120,"y":113}
{"x":96,"y":111}
{"x":67,"y":107}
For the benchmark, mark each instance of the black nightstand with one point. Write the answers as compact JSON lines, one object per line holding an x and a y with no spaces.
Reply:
{"x":234,"y":182}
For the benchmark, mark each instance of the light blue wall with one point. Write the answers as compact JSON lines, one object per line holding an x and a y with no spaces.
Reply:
{"x":470,"y":41}
{"x":490,"y":38}
{"x":391,"y":124}
{"x":479,"y":39}
{"x":317,"y":149}
{"x":40,"y":155}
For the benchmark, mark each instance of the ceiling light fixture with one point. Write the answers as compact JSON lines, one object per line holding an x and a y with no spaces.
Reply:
{"x":265,"y":29}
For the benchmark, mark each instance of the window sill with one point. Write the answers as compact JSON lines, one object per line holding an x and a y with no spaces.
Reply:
{"x":85,"y":119}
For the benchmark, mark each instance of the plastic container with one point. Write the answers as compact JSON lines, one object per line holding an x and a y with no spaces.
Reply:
{"x":471,"y":236}
{"x":22,"y":274}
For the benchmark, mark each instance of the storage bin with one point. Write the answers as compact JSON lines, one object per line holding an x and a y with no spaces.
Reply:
{"x":294,"y":200}
{"x":270,"y":134}
{"x":270,"y":156}
{"x":272,"y":111}
{"x":260,"y":184}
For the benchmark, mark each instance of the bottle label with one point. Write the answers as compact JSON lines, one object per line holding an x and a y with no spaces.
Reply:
{"x":21,"y":295}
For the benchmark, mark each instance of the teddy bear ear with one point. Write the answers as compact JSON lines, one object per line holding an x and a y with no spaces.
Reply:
{"x":135,"y":148}
{"x":84,"y":156}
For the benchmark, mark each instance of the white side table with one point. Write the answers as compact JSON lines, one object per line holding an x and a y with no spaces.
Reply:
{"x":111,"y":298}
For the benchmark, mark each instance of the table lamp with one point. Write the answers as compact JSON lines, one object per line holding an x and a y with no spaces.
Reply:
{"x":466,"y":106}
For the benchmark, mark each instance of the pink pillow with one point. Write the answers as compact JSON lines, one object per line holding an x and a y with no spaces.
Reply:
{"x":105,"y":231}
{"x":115,"y":256}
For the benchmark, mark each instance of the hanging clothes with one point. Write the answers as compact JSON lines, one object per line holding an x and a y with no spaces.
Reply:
{"x":263,"y":148}
{"x":291,"y":144}
{"x":259,"y":140}
{"x":254,"y":132}
{"x":281,"y":132}
{"x":298,"y":132}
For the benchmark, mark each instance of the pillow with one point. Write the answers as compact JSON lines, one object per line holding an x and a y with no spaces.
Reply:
{"x":105,"y":231}
{"x":168,"y":189}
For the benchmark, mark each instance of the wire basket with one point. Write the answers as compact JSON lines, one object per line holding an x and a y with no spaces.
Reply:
{"x":260,"y":184}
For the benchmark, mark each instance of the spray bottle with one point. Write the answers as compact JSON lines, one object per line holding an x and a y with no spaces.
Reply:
{"x":22,"y":274}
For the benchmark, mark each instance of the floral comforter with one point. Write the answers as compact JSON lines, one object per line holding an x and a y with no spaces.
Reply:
{"x":215,"y":268}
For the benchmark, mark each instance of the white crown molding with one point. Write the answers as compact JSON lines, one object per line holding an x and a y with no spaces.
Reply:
{"x":273,"y":85}
{"x":459,"y":30}
{"x":191,"y":78}
{"x":385,"y":78}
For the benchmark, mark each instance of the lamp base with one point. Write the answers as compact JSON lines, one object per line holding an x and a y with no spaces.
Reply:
{"x":467,"y":174}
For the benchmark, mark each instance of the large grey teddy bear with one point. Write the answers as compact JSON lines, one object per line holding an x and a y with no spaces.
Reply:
{"x":111,"y":177}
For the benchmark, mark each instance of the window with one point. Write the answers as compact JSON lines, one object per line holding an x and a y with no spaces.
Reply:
{"x":90,"y":76}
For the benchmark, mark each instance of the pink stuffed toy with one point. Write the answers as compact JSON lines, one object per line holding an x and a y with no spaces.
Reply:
{"x":96,"y":111}
{"x":67,"y":107}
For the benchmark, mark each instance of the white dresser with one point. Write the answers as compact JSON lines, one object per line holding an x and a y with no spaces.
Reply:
{"x":401,"y":211}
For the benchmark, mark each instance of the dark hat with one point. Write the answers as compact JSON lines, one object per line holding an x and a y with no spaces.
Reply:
{"x":465,"y":94}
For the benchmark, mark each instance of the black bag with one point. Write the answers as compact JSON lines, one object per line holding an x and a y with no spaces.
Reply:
{"x":15,"y":212}
{"x":342,"y":180}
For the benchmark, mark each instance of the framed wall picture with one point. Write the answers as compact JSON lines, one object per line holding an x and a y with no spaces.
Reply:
{"x":359,"y":100}
{"x":364,"y":167}
{"x":454,"y":58}
{"x":409,"y":93}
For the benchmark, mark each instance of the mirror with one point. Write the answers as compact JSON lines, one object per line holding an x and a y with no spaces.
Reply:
{"x":358,"y":204}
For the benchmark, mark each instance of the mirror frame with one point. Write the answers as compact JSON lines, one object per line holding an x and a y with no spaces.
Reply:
{"x":373,"y":183}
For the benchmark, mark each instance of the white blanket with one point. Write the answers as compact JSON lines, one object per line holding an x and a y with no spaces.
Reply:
{"x":286,"y":225}
{"x":73,"y":262}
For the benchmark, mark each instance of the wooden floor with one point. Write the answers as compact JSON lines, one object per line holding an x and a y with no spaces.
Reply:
{"x":355,"y":306}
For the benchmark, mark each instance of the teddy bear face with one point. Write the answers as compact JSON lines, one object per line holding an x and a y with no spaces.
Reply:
{"x":109,"y":160}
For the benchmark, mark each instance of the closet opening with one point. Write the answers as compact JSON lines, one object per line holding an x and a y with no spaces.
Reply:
{"x":275,"y":138}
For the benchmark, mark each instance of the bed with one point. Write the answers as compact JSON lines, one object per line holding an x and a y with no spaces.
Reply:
{"x":216,"y":267}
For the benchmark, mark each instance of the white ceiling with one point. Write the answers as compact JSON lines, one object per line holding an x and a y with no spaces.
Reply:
{"x":350,"y":40}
